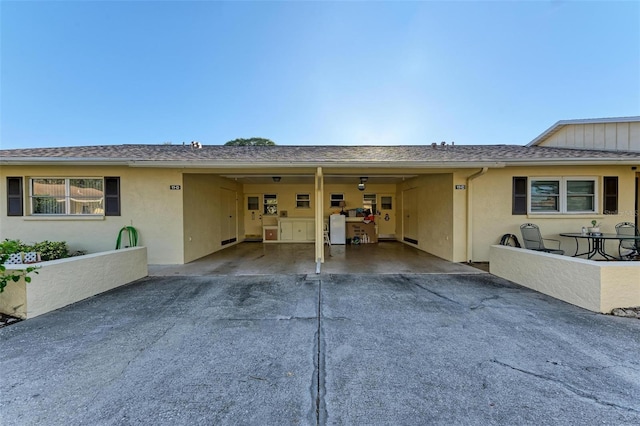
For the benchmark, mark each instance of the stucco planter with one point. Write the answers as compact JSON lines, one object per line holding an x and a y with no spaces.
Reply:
{"x":597,"y":286}
{"x":65,"y":281}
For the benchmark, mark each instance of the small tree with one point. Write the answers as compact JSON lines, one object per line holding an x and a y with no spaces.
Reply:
{"x":7,"y":248}
{"x":251,"y":142}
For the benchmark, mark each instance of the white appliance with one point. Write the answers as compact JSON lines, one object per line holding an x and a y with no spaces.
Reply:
{"x":337,"y":229}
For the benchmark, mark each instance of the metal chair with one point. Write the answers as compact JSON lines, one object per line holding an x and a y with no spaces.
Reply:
{"x":630,"y":247}
{"x":532,"y":239}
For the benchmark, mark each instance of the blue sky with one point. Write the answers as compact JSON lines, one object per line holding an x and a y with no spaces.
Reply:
{"x":322,"y":73}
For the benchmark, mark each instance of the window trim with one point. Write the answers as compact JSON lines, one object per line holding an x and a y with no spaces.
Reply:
{"x":301,"y":201}
{"x":370,"y":198}
{"x":270,"y":196}
{"x":249,"y":204}
{"x":563,"y":195}
{"x":111,"y":199}
{"x":67,"y":196}
{"x":386,"y":206}
{"x":335,"y":198}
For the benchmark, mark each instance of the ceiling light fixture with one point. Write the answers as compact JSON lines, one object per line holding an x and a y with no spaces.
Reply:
{"x":361,"y":184}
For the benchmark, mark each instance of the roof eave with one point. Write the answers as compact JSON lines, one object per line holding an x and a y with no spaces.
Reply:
{"x":575,"y":162}
{"x":31,"y":161}
{"x":331,"y":164}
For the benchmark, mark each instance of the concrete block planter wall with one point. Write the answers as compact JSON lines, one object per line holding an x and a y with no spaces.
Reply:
{"x":65,"y":281}
{"x":596,"y":286}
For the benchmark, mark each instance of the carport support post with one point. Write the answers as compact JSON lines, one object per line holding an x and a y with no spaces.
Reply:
{"x":319,"y":219}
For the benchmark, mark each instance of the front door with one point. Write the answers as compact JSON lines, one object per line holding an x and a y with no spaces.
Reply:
{"x":387,"y":218}
{"x":252,"y":217}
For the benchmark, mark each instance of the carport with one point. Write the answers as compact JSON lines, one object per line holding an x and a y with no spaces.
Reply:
{"x":424,"y":210}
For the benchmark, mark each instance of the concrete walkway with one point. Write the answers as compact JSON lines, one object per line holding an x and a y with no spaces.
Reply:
{"x":334,"y":349}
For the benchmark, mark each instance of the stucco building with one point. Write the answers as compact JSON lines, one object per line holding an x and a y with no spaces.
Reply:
{"x":453,"y":201}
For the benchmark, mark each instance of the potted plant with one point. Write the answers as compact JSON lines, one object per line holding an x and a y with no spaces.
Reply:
{"x":595,"y":227}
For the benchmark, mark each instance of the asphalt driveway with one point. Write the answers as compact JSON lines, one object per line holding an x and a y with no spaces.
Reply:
{"x":340,"y":349}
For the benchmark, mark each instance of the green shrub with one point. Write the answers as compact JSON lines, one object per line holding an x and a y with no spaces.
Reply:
{"x":51,"y":250}
{"x":8,"y":247}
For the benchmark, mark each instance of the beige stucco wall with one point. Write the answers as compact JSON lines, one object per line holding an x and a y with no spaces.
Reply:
{"x":147,"y":204}
{"x":609,"y":136}
{"x":287,"y":199}
{"x":178,"y":226}
{"x":435,"y":213}
{"x":596,"y":286}
{"x":61,"y":282}
{"x":202,"y":214}
{"x":492,"y":199}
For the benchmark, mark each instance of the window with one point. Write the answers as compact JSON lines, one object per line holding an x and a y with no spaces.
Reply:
{"x":253,"y":203}
{"x":67,"y":196}
{"x":519,"y":200}
{"x":369,"y":202}
{"x":610,"y":195}
{"x":563,"y":195}
{"x":335,"y":199}
{"x":14,"y":196}
{"x":270,"y":204}
{"x":303,"y":201}
{"x":386,"y":202}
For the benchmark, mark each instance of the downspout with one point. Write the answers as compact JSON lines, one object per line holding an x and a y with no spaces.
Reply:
{"x":470,"y":212}
{"x":319,"y":219}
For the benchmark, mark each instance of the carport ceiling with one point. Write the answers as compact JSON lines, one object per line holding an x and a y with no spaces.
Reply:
{"x":309,"y":179}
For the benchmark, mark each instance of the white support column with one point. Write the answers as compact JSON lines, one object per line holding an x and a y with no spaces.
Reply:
{"x":319,"y":218}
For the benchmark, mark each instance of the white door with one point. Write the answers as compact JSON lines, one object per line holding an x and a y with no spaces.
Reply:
{"x":286,"y":231}
{"x":252,"y":216}
{"x":387,"y":218}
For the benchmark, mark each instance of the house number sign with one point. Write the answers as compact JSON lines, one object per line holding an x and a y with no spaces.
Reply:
{"x":461,"y":186}
{"x":174,"y":187}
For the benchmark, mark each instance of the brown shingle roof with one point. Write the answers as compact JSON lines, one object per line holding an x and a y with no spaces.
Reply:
{"x":227,"y":155}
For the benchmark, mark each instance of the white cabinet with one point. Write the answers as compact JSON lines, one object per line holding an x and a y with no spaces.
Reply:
{"x":296,"y":230}
{"x":286,"y":231}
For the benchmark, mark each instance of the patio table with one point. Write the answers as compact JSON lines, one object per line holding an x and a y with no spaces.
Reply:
{"x":596,"y":243}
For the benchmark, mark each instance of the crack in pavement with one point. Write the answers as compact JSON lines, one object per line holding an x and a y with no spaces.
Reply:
{"x":321,"y":409}
{"x":579,"y":392}
{"x":283,"y":318}
{"x":438,"y":294}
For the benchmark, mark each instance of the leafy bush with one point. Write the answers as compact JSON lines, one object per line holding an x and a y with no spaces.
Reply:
{"x":51,"y":250}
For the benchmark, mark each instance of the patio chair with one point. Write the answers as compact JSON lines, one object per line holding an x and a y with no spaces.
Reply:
{"x":532,"y":239}
{"x":627,"y":248}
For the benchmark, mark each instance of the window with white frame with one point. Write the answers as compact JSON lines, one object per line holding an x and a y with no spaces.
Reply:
{"x":571,"y":195}
{"x":370,"y":202}
{"x":303,"y":201}
{"x":270,"y":204}
{"x":67,"y":196}
{"x":335,"y":199}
